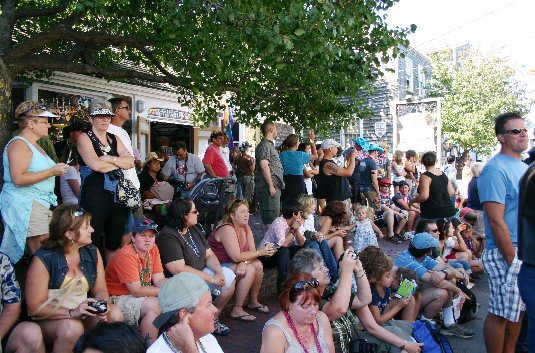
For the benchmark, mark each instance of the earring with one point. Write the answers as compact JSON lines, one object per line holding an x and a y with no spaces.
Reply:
{"x":72,"y":242}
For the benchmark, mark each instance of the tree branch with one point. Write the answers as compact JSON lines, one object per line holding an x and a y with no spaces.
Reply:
{"x":23,"y":13}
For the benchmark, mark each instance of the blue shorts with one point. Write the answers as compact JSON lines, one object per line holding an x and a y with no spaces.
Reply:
{"x":129,"y":224}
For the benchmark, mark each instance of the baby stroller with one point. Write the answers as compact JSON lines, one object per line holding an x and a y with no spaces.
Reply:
{"x":211,"y":196}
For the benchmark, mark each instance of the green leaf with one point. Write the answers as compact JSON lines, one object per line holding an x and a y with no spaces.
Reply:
{"x":299,"y":31}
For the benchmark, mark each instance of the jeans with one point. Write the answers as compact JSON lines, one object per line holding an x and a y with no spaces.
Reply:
{"x":284,"y":255}
{"x":526,"y":285}
{"x":327,"y":255}
{"x":460,"y":264}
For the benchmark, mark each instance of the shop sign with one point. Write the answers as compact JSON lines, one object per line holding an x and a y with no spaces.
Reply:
{"x":380,"y":129}
{"x":183,"y":117}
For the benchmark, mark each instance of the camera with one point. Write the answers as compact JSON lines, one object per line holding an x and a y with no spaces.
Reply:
{"x":100,"y":306}
{"x":182,"y":184}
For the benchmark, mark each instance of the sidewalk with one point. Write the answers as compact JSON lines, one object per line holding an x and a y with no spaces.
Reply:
{"x":247,"y":336}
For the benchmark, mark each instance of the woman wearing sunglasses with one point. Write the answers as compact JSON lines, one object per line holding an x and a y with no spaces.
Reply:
{"x":65,"y":278}
{"x":183,"y":248}
{"x":29,"y":180}
{"x":300,"y":326}
{"x":233,"y":243}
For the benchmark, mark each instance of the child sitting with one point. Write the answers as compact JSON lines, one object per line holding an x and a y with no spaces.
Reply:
{"x":398,"y":275}
{"x":366,"y":229}
{"x":378,"y":265}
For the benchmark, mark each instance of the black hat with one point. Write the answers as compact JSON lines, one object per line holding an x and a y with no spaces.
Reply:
{"x":77,"y":126}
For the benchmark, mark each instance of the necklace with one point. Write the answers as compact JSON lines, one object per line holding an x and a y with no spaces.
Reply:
{"x":74,"y":269}
{"x":312,"y":329}
{"x":144,"y":272}
{"x":169,"y":344}
{"x":191,"y":243}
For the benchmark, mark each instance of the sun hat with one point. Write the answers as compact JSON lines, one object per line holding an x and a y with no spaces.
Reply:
{"x":361,"y":142}
{"x":385,"y":181}
{"x":375,"y":147}
{"x":151,"y":156}
{"x":179,"y":291}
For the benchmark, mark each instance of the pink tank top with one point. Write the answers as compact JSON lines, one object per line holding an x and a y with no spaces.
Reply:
{"x":218,"y":248}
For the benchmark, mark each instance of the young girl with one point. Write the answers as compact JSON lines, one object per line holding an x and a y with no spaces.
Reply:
{"x":366,"y":229}
{"x":377,"y":265}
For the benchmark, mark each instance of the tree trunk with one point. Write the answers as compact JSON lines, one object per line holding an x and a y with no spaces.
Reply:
{"x":462,"y":160}
{"x":6,"y":116}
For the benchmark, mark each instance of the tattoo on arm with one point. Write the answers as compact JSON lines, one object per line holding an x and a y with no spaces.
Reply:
{"x":332,"y":167}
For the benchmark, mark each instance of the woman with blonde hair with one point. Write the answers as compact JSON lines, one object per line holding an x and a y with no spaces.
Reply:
{"x":233,"y":244}
{"x":29,"y":181}
{"x":397,"y":170}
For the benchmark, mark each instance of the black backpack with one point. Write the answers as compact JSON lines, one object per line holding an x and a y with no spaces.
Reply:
{"x":470,"y":306}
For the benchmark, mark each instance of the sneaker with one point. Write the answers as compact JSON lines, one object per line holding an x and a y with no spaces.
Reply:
{"x":456,"y":330}
{"x":423,"y":318}
{"x":470,"y":285}
{"x":221,"y":329}
{"x":409,"y":235}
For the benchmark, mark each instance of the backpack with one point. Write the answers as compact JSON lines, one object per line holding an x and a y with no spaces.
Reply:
{"x":434,"y":342}
{"x":470,"y":306}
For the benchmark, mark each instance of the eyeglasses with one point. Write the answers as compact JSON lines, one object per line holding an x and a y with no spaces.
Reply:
{"x":303,"y":286}
{"x":194,"y":212}
{"x":79,"y":212}
{"x":515,"y":131}
{"x":127,"y":107}
{"x":40,"y":122}
{"x":434,"y":230}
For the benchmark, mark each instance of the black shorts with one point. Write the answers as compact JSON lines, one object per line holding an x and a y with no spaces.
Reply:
{"x":354,"y":184}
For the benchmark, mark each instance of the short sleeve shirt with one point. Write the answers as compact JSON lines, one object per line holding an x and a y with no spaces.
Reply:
{"x":124,"y":267}
{"x":266,"y":150}
{"x":381,"y":302}
{"x":365,"y":168}
{"x":187,"y":170}
{"x":294,"y":161}
{"x":10,"y":286}
{"x":214,"y":158}
{"x":276,"y":233}
{"x":397,"y":197}
{"x":499,"y":182}
{"x":243,"y":165}
{"x":67,"y":195}
{"x":175,"y":246}
{"x":405,"y":259}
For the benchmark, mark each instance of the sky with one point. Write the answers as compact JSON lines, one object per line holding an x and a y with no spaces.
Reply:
{"x":506,"y":27}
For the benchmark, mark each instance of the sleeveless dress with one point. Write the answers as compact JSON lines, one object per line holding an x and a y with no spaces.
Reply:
{"x":293,"y":345}
{"x":16,"y":201}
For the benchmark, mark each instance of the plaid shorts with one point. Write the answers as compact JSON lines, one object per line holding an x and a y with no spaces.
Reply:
{"x":504,"y":296}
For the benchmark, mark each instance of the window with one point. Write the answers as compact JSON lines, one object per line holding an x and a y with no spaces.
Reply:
{"x":409,"y":75}
{"x":421,"y":81}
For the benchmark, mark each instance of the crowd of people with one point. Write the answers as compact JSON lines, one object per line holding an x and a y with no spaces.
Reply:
{"x":100,"y":271}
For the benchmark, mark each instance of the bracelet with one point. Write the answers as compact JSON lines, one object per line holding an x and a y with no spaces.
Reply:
{"x":362,"y":275}
{"x":114,"y":160}
{"x":212,"y":278}
{"x":257,"y":253}
{"x":70,"y":313}
{"x":404,"y":344}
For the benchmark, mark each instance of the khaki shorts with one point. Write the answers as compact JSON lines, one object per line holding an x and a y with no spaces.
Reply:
{"x":130,"y":306}
{"x":39,"y":220}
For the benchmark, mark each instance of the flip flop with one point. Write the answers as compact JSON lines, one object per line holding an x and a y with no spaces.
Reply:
{"x":241,"y":317}
{"x":392,"y":240}
{"x":262,"y":309}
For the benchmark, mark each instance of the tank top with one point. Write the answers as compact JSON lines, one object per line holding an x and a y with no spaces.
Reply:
{"x":293,"y":345}
{"x":438,"y":204}
{"x":219,"y":250}
{"x":335,"y":188}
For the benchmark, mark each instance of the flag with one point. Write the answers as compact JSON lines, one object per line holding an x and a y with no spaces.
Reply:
{"x":228,"y":128}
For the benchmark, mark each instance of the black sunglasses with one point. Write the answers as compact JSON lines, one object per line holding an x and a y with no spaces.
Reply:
{"x":515,"y":131}
{"x":303,"y":286}
{"x":127,"y":107}
{"x":434,"y":230}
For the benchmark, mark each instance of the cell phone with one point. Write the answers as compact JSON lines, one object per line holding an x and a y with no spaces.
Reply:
{"x":406,"y":289}
{"x":464,"y":227}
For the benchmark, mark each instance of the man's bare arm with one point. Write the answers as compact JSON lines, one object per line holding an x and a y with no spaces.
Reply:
{"x":495,"y":212}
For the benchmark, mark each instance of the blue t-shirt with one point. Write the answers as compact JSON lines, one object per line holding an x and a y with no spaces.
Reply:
{"x":405,"y":259}
{"x":473,"y":195}
{"x":293,"y":162}
{"x":499,"y":182}
{"x":381,"y":302}
{"x":365,"y":167}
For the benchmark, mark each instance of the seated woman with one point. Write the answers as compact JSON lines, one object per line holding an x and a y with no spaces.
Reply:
{"x":284,"y":234}
{"x":69,"y":183}
{"x":134,"y":277}
{"x":339,"y":303}
{"x":152,"y":180}
{"x":300,"y":318}
{"x":233,"y":243}
{"x":67,"y":261}
{"x":332,"y":222}
{"x":317,"y":239}
{"x":183,"y":248}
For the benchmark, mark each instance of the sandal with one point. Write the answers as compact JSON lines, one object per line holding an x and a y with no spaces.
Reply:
{"x":392,"y":240}
{"x":262,"y":309}
{"x":242,"y":317}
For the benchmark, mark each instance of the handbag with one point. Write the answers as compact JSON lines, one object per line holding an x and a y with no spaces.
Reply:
{"x":128,"y":194}
{"x":360,"y":345}
{"x":163,"y":190}
{"x":69,"y":296}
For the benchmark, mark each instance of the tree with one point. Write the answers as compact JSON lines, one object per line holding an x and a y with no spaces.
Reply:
{"x":289,"y":60}
{"x":476,"y":87}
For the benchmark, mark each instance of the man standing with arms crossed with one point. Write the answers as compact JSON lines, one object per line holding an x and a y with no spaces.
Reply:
{"x":269,"y":176}
{"x":498,"y":191}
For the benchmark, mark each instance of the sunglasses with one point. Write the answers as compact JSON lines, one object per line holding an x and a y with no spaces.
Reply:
{"x":194,"y":212}
{"x":515,"y":131}
{"x":304,"y":285}
{"x":434,"y":230}
{"x":79,"y":212}
{"x":127,"y":107}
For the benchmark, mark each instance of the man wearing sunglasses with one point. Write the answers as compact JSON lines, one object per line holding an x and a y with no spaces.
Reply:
{"x":498,"y":192}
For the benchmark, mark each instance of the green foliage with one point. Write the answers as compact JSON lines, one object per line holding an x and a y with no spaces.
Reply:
{"x":476,"y":88}
{"x":288,"y":60}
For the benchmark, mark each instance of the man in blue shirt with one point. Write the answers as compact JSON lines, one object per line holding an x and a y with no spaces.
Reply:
{"x":498,"y":192}
{"x":437,"y":281}
{"x":369,"y":185}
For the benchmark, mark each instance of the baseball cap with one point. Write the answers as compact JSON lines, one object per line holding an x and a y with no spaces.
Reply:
{"x":179,"y":291}
{"x":375,"y":147}
{"x":464,"y":211}
{"x":403,"y":182}
{"x":329,"y":143}
{"x":244,"y":145}
{"x":144,"y":224}
{"x":361,"y":142}
{"x":385,"y":181}
{"x":424,"y":241}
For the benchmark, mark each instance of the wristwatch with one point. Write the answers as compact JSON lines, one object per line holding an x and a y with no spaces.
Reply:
{"x":445,"y":272}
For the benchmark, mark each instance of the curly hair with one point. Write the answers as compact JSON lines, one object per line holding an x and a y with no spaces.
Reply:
{"x":216,"y":134}
{"x":337,"y":211}
{"x":375,"y":262}
{"x":64,"y":218}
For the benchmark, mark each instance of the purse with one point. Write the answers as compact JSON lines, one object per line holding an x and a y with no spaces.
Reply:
{"x":163,"y":190}
{"x":69,"y":296}
{"x":128,"y":194}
